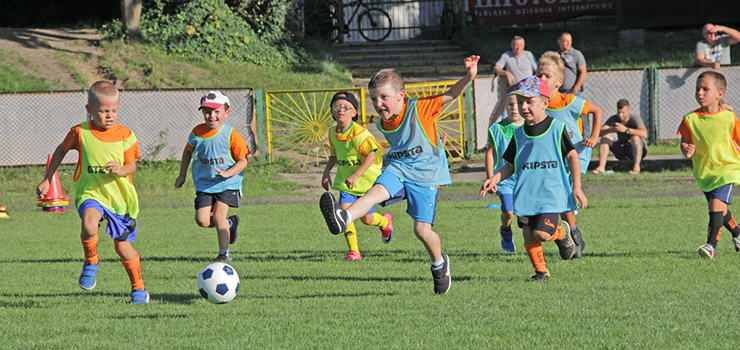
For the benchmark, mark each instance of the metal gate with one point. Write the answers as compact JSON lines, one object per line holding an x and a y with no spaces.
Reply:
{"x":450,"y":119}
{"x":298,"y":122}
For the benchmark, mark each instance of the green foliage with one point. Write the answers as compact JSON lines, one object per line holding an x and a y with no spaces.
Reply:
{"x":271,"y":19}
{"x":12,"y":79}
{"x":211,"y":29}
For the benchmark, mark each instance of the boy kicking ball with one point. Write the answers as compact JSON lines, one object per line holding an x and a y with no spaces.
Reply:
{"x":542,"y":190}
{"x":417,"y":163}
{"x":710,"y":136}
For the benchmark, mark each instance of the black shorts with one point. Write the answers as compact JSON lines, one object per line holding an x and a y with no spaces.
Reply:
{"x":547,"y":222}
{"x":229,"y":197}
{"x":623,"y":151}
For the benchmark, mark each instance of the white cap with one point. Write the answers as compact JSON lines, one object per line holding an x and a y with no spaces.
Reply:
{"x":213,"y":99}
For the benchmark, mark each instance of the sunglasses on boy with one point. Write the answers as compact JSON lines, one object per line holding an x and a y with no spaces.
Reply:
{"x":343,"y":108}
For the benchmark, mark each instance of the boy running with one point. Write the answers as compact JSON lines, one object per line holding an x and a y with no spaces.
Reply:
{"x":417,"y":163}
{"x":219,"y":155}
{"x":542,"y":191}
{"x":104,"y":187}
{"x":710,"y":136}
{"x":358,"y":154}
{"x":571,"y":110}
{"x":499,"y":137}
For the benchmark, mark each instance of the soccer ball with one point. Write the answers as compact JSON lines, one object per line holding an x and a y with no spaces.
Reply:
{"x":218,"y":283}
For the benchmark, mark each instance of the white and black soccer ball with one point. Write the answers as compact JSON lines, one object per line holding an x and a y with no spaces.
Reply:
{"x":218,"y":283}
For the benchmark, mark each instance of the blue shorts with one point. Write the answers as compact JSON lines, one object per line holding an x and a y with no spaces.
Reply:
{"x":421,"y":200}
{"x":723,"y":193}
{"x":345,"y":197}
{"x":120,"y":227}
{"x":507,"y":202}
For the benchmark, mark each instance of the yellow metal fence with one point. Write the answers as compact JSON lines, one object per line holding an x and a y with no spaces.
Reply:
{"x":298,"y":121}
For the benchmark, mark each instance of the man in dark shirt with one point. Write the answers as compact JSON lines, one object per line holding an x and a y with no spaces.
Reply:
{"x":630,"y":141}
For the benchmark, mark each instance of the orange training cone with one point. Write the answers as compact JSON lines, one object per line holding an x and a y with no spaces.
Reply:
{"x":54,"y":200}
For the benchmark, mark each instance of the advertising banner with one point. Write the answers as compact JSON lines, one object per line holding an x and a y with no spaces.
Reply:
{"x":498,"y":12}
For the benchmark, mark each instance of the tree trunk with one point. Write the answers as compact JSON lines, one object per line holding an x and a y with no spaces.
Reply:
{"x":131,"y":15}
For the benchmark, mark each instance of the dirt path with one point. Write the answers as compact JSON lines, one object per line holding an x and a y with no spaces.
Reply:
{"x":50,"y":54}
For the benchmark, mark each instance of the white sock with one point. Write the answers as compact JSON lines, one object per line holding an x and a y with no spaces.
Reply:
{"x":231,"y":222}
{"x":438,"y":264}
{"x":223,"y":252}
{"x":348,"y":217}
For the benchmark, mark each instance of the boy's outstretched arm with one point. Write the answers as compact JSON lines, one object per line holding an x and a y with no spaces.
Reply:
{"x":598,"y":113}
{"x":687,"y":148}
{"x":471,"y":66}
{"x":56,"y":159}
{"x":184,"y":164}
{"x":503,"y":174}
{"x":575,"y":170}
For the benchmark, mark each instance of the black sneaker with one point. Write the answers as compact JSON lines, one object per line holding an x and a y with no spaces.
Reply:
{"x":442,"y":279}
{"x":334,"y":216}
{"x":234,"y":228}
{"x":540,"y":276}
{"x":580,"y":244}
{"x":566,"y":245}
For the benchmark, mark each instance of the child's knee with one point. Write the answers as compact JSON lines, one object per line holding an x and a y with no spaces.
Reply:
{"x":542,"y":236}
{"x":507,"y":215}
{"x":203,"y":222}
{"x":124,"y":249}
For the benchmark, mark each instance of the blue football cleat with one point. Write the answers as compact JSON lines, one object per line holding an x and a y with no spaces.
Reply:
{"x":140,"y":296}
{"x":87,"y":277}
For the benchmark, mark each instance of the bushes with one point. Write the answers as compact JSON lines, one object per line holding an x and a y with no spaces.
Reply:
{"x":213,"y":29}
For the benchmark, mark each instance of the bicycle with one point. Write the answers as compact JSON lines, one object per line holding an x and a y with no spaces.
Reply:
{"x":449,"y":20}
{"x":370,"y":20}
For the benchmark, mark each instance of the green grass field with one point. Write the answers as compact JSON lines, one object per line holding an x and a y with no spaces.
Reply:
{"x":638,"y":286}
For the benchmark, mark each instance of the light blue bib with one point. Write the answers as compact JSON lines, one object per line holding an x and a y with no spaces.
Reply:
{"x":210,"y":152}
{"x":570,"y":115}
{"x":498,"y":134}
{"x":413,"y":157}
{"x":542,"y":184}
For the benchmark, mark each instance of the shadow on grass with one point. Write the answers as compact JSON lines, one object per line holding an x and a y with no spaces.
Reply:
{"x":175,"y":298}
{"x":154,"y":316}
{"x":322,"y":295}
{"x":36,"y":304}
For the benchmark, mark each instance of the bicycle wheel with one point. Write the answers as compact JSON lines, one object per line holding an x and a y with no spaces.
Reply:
{"x":374,"y":24}
{"x":447,"y":23}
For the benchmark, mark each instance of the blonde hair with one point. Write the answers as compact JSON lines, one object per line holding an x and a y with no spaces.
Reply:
{"x":719,"y":80}
{"x":100,"y":89}
{"x":552,"y":58}
{"x":384,"y":77}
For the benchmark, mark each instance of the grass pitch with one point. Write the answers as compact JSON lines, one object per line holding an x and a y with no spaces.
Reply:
{"x":638,"y":285}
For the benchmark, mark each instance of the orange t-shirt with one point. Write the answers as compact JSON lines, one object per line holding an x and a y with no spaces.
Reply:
{"x":561,"y":100}
{"x":427,"y":108}
{"x":237,"y":145}
{"x":683,"y":129}
{"x":116,"y":133}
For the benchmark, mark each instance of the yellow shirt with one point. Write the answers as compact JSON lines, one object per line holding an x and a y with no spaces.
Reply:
{"x":716,"y":157}
{"x":351,"y":147}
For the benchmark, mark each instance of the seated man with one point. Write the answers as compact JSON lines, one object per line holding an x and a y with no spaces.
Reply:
{"x":631,"y":135}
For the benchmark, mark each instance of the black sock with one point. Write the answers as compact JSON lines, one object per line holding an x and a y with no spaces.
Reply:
{"x":716,"y":221}
{"x":731,"y":224}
